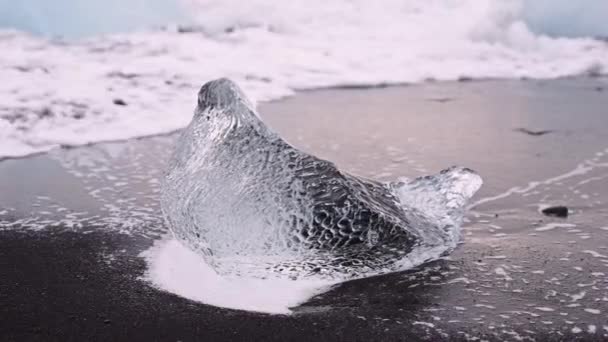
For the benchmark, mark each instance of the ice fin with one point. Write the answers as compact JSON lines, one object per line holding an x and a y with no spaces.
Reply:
{"x":446,"y":194}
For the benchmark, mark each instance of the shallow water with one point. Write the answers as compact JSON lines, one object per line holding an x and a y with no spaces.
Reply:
{"x":518,"y":273}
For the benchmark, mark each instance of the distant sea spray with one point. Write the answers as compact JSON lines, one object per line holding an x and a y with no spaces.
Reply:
{"x":74,"y":18}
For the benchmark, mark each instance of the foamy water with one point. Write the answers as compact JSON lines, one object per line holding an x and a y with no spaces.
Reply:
{"x":142,"y":83}
{"x":177,"y":269}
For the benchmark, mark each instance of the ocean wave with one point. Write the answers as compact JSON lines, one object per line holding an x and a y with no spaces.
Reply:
{"x":110,"y":87}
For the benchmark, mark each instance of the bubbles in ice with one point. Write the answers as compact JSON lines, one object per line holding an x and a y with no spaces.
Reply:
{"x":252,"y":204}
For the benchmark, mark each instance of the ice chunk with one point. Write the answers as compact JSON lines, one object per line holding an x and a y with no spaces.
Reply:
{"x":253,"y":205}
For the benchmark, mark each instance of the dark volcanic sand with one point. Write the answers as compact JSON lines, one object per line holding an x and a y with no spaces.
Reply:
{"x":73,"y":223}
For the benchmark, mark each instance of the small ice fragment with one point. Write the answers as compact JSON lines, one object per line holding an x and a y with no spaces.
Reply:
{"x":593,"y":311}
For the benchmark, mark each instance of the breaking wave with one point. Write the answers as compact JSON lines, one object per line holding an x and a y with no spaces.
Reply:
{"x":139,"y":81}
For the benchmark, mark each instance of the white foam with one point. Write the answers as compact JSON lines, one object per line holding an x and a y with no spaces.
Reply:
{"x":595,"y":254}
{"x":501,"y":271}
{"x":58,"y":93}
{"x":553,"y":225}
{"x":176,"y":269}
{"x":427,"y":324}
{"x":496,"y":257}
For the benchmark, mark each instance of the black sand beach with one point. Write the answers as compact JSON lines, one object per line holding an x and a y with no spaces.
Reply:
{"x":74,"y":221}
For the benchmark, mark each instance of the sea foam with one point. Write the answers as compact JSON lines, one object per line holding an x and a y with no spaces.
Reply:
{"x":179,"y":270}
{"x":138,"y":83}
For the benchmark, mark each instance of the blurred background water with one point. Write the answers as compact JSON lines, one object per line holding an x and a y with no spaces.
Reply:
{"x":567,"y":18}
{"x":80,"y":18}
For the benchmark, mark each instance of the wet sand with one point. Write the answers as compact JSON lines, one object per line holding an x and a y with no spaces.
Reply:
{"x":74,"y":221}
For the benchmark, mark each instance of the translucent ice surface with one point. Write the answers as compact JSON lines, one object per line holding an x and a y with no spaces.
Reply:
{"x":253,"y":205}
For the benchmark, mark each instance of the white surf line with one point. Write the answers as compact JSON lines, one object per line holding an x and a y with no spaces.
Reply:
{"x":553,"y":225}
{"x":595,"y":254}
{"x":592,"y":179}
{"x":581,"y":169}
